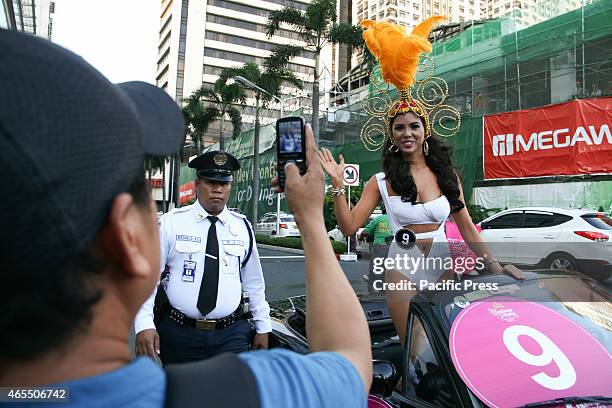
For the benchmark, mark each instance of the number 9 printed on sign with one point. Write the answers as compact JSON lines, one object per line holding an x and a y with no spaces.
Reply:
{"x":550,"y":353}
{"x":539,"y":354}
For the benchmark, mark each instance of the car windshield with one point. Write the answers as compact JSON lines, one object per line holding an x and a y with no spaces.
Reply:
{"x":570,"y":296}
{"x":287,"y":218}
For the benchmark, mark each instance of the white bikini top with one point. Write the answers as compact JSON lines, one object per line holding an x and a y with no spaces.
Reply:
{"x":405,"y":213}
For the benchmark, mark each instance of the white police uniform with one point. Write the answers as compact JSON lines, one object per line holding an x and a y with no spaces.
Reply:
{"x":183,"y":235}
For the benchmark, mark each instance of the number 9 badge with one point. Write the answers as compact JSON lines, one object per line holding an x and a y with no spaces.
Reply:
{"x":405,"y":238}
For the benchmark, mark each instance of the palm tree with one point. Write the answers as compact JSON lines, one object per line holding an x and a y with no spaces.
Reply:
{"x":269,"y":81}
{"x":197,"y":121}
{"x":200,"y":115}
{"x":316,"y":26}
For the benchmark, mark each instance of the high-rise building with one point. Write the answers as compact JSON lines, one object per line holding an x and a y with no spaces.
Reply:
{"x":197,"y":39}
{"x":30,"y":16}
{"x":411,"y":12}
{"x":7,"y":16}
{"x":527,"y":12}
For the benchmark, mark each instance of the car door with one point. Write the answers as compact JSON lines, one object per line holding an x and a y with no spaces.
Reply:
{"x":426,"y":380}
{"x":499,"y":235}
{"x":532,"y":242}
{"x":264,"y":225}
{"x":271,"y":224}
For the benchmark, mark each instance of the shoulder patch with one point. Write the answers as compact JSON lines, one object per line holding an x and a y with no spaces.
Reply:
{"x":180,"y":209}
{"x":238,"y":215}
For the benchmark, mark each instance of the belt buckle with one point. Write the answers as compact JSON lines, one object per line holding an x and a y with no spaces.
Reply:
{"x":205,"y":324}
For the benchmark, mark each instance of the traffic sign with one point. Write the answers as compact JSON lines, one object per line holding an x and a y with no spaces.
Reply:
{"x":351,"y":175}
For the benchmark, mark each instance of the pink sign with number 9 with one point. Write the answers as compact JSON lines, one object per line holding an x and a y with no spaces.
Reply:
{"x":511,"y":353}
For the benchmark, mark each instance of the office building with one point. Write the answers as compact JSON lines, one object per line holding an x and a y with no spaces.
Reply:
{"x":30,"y":16}
{"x":411,"y":12}
{"x":526,"y":13}
{"x":197,"y":39}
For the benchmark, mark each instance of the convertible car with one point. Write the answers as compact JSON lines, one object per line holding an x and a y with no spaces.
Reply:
{"x":541,"y":342}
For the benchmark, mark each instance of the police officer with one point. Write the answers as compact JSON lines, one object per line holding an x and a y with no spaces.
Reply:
{"x":213,"y":262}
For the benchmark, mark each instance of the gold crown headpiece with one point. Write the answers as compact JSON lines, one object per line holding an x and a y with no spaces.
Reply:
{"x":399,"y":57}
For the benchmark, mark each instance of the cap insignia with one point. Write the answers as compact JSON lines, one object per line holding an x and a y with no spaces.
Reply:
{"x":220,"y":159}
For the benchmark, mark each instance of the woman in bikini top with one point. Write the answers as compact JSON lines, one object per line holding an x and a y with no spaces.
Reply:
{"x":422,"y":189}
{"x":417,"y":172}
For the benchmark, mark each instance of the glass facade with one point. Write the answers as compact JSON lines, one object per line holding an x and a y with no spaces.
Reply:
{"x":25,"y":15}
{"x":245,"y":25}
{"x":247,"y":42}
{"x":243,"y":58}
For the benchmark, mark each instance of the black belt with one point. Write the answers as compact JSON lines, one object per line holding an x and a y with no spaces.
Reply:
{"x":208,"y":324}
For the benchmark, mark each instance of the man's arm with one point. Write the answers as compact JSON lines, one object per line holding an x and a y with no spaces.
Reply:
{"x":369,"y":229}
{"x":335,"y":320}
{"x":253,"y":282}
{"x":147,"y":339}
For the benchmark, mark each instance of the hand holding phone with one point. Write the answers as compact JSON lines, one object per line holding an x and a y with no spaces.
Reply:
{"x":290,"y":146}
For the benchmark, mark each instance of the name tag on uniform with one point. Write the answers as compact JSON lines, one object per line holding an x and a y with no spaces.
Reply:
{"x":189,"y":268}
{"x":232,"y":242}
{"x":188,"y":238}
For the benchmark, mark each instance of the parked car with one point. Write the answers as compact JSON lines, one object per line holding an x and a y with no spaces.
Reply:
{"x":454,"y":336}
{"x":358,"y":245}
{"x":554,"y":238}
{"x":287,"y":225}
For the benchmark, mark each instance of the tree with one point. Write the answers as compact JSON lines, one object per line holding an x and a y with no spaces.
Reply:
{"x":269,"y":81}
{"x":317,"y":26}
{"x":200,"y":115}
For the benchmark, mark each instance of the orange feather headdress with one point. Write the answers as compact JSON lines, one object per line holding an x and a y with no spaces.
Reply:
{"x":399,"y":56}
{"x":398,"y":52}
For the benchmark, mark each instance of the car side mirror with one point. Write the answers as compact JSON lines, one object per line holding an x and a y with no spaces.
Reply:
{"x":484,"y":225}
{"x":384,"y":378}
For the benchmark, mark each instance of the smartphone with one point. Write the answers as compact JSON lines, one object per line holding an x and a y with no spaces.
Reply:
{"x":290,"y":146}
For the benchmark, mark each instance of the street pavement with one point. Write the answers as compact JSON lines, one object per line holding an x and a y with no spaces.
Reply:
{"x":285,"y":273}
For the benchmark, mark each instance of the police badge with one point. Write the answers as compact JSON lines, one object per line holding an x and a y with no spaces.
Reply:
{"x":220,"y":159}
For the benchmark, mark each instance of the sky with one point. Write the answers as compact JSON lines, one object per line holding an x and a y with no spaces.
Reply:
{"x":118,"y":37}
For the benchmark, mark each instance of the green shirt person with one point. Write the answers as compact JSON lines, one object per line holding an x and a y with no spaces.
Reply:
{"x":380,"y":228}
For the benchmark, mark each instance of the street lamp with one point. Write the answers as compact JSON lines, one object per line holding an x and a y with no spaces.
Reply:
{"x":249,"y":84}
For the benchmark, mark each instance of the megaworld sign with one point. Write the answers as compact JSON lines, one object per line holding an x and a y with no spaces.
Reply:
{"x":571,"y":138}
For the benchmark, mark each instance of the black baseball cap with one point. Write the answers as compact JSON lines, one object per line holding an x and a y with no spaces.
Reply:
{"x":70,"y":141}
{"x":215,"y":165}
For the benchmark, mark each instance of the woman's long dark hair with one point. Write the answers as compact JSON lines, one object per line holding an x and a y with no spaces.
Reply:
{"x":439,"y":161}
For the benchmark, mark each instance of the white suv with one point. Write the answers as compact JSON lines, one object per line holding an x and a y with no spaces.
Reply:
{"x":287,"y":226}
{"x":554,"y":238}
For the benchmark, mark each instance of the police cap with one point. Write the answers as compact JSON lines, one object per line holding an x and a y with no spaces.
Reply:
{"x":215,"y":165}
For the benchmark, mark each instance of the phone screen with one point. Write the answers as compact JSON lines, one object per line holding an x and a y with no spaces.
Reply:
{"x":290,"y":137}
{"x":290,"y":144}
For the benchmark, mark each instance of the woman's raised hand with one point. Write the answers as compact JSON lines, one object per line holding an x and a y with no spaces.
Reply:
{"x":334,"y":170}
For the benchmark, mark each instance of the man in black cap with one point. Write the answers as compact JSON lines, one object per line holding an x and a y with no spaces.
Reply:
{"x":80,"y":254}
{"x":214,"y":268}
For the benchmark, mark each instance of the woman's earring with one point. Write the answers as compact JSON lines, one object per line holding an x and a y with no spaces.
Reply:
{"x":393,"y":148}
{"x":425,"y":148}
